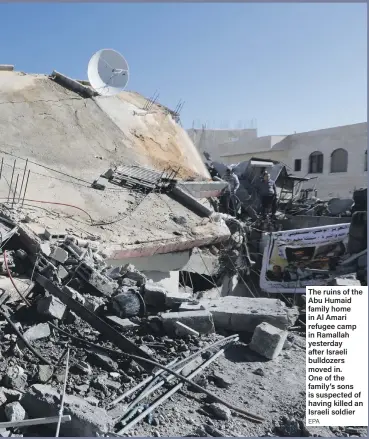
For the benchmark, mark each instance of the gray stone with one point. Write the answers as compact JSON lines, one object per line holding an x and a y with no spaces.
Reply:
{"x":103,"y":361}
{"x":155,"y":295}
{"x":200,"y":321}
{"x":220,"y":411}
{"x":42,"y":400}
{"x":268,"y":340}
{"x":10,"y":394}
{"x":37,"y":332}
{"x":15,"y":377}
{"x":174,"y":300}
{"x":52,"y":307}
{"x":93,"y":303}
{"x":221,"y":380}
{"x":59,"y":255}
{"x":244,"y":314}
{"x":15,"y":412}
{"x":45,"y":372}
{"x":123,"y":323}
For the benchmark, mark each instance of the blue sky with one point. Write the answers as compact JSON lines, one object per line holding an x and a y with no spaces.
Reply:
{"x":292,"y":67}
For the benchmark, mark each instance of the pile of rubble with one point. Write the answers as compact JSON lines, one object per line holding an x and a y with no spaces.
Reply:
{"x":105,"y":332}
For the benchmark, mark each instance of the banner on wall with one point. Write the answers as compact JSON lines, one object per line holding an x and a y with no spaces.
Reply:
{"x":294,"y":259}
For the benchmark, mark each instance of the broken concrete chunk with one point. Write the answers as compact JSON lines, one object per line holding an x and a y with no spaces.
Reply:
{"x":52,"y":307}
{"x":268,"y":340}
{"x":123,"y":323}
{"x":45,"y":372}
{"x":10,"y":394}
{"x":103,"y":361}
{"x":154,"y":295}
{"x":244,"y":314}
{"x":221,"y":380}
{"x":37,"y":332}
{"x":15,"y":412}
{"x":130,"y":272}
{"x":45,"y":248}
{"x":126,"y":304}
{"x":42,"y":400}
{"x":59,"y":255}
{"x":15,"y":377}
{"x":84,"y":367}
{"x":200,"y":321}
{"x":220,"y":411}
{"x":74,"y":294}
{"x":3,"y":398}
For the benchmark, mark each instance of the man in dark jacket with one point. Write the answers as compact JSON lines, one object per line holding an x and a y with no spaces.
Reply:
{"x":268,"y":193}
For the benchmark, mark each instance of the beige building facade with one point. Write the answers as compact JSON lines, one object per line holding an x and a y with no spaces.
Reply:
{"x":334,"y":158}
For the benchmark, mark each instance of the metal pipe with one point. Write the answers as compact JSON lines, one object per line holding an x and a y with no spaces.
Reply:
{"x":150,"y":390}
{"x":15,"y":190}
{"x":25,"y":187}
{"x":169,"y":393}
{"x":147,"y":380}
{"x":24,"y":174}
{"x":1,"y":169}
{"x":11,"y":181}
{"x":35,"y":421}
{"x":186,"y":360}
{"x":63,"y":394}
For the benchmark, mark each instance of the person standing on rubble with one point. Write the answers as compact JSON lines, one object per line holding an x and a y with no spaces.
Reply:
{"x":230,"y":191}
{"x":268,"y":194}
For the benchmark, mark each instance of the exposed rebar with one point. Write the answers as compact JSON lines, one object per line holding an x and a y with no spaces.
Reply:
{"x":25,"y":187}
{"x":63,"y":394}
{"x":15,"y":190}
{"x":11,"y":181}
{"x":24,"y":174}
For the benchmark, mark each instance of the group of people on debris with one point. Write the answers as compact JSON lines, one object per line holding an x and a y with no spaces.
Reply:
{"x":265,"y":188}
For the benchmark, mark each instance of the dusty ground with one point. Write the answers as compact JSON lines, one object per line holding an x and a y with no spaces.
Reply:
{"x":279,"y":392}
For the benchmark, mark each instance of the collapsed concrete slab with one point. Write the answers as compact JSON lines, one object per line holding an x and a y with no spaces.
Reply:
{"x":200,"y":321}
{"x":42,"y":400}
{"x":244,"y":314}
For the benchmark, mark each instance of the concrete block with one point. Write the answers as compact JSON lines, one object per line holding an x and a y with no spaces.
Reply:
{"x":244,"y":314}
{"x":220,"y":411}
{"x":59,"y":255}
{"x":62,"y":272}
{"x":155,"y":295}
{"x":45,"y":372}
{"x":42,"y":400}
{"x":37,"y":332}
{"x":53,"y":234}
{"x":52,"y":307}
{"x":200,"y":321}
{"x":15,"y":412}
{"x":268,"y":340}
{"x":15,"y":377}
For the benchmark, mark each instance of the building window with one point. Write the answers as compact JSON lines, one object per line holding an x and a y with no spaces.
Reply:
{"x":339,"y":160}
{"x":316,"y":163}
{"x":366,"y":161}
{"x":297,"y":165}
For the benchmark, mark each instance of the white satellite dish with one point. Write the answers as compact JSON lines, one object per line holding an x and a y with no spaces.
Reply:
{"x":108,"y":72}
